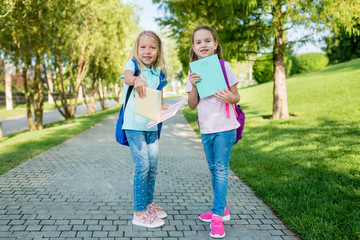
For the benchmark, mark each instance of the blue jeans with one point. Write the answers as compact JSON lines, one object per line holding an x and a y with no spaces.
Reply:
{"x":144,"y":150}
{"x":217,"y":147}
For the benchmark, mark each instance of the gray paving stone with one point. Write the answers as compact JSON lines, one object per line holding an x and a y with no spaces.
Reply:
{"x":82,"y":189}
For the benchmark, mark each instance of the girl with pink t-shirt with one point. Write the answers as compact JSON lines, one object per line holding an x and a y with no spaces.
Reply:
{"x":218,"y":130}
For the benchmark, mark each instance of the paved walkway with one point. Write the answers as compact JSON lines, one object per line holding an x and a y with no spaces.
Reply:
{"x":82,"y":189}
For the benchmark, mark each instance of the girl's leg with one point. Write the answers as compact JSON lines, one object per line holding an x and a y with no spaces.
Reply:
{"x":139,"y":152}
{"x":223,"y":143}
{"x":153,"y":152}
{"x":208,"y":145}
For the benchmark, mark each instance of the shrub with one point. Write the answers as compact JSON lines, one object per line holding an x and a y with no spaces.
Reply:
{"x":264,"y":70}
{"x":311,"y":61}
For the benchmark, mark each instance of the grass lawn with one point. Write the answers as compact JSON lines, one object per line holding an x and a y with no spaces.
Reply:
{"x":20,"y":147}
{"x":306,"y":168}
{"x":20,"y":110}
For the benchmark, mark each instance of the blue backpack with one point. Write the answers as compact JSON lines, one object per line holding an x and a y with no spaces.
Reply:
{"x":119,"y":132}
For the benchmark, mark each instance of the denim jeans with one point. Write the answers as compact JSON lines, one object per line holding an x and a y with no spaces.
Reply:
{"x":217,"y":147}
{"x":144,"y":150}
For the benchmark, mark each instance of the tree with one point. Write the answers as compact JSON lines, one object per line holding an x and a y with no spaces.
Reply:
{"x":112,"y":38}
{"x":17,"y":41}
{"x":59,"y":41}
{"x":253,"y":26}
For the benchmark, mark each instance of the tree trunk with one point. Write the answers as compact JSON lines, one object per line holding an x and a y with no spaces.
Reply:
{"x":91,"y":106}
{"x":8,"y":86}
{"x":62,"y":91}
{"x":27,"y":99}
{"x":101,"y":94}
{"x":280,"y":105}
{"x":82,"y":68}
{"x":117,"y":94}
{"x":50,"y":85}
{"x":51,"y":88}
{"x":38,"y":95}
{"x":106,"y":97}
{"x":85,"y":98}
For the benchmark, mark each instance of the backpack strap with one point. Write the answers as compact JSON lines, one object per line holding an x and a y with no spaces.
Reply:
{"x":162,"y":80}
{"x":136,"y":73}
{"x":222,"y":64}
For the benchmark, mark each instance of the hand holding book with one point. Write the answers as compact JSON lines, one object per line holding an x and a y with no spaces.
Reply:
{"x":211,"y":75}
{"x":140,"y":86}
{"x":167,"y":113}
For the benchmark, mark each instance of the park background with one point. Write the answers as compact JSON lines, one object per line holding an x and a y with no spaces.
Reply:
{"x":305,"y":165}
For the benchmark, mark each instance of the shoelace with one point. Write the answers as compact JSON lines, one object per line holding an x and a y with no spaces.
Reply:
{"x":216,"y":224}
{"x":148,"y":217}
{"x":155,"y":207}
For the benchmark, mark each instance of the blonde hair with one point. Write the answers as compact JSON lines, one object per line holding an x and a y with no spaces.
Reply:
{"x":218,"y":51}
{"x":159,"y":62}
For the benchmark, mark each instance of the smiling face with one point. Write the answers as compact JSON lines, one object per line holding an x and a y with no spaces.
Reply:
{"x":204,"y":44}
{"x":147,"y":50}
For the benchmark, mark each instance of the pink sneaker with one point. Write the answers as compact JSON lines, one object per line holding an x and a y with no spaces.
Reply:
{"x":217,"y":227}
{"x":148,"y":219}
{"x":159,"y":212}
{"x":206,"y":217}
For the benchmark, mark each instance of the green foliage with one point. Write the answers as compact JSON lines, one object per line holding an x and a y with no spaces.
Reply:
{"x":245,"y":27}
{"x":263,"y":69}
{"x":306,"y":168}
{"x":342,"y":47}
{"x":311,"y":61}
{"x":343,"y":16}
{"x":75,"y":41}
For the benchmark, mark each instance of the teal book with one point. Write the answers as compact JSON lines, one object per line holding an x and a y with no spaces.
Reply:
{"x":210,"y":72}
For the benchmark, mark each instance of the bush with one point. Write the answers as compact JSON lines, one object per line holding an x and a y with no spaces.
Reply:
{"x":264,"y":70}
{"x":311,"y":61}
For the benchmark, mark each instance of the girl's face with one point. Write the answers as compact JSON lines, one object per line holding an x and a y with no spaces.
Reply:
{"x":204,"y":44}
{"x":147,"y":50}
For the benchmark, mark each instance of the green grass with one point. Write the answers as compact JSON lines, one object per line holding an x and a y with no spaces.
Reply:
{"x":20,"y":147}
{"x":306,"y":168}
{"x":20,"y":110}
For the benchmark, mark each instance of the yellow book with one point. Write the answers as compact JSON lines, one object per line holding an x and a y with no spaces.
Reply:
{"x":150,"y":106}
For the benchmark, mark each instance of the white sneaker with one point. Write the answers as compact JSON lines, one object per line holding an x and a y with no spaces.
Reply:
{"x":159,"y":211}
{"x":148,"y":219}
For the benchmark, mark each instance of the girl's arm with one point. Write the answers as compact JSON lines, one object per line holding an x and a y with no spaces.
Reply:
{"x":227,"y":96}
{"x":193,"y":95}
{"x":138,"y":83}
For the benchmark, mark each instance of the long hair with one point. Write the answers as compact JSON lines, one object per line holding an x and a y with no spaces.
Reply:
{"x":159,"y":62}
{"x":218,"y":51}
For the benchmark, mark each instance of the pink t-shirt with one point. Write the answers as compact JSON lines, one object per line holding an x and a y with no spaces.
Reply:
{"x":212,"y":113}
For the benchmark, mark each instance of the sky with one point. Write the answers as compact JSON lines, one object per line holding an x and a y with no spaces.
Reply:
{"x":147,"y":14}
{"x":150,"y":11}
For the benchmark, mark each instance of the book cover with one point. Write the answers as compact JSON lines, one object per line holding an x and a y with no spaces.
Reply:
{"x":168,"y":113}
{"x":212,"y":77}
{"x":150,"y":106}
